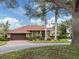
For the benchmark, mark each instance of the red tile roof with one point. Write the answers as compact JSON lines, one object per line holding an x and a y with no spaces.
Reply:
{"x":18,"y":30}
{"x":26,"y":29}
{"x":33,"y":28}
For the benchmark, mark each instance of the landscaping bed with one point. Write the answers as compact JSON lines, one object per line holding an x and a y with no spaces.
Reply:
{"x":51,"y":41}
{"x":48,"y":52}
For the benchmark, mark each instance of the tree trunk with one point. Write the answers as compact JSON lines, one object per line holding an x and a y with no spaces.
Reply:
{"x":56,"y":18}
{"x":46,"y":34}
{"x":75,"y":24}
{"x":55,"y":29}
{"x":75,"y":29}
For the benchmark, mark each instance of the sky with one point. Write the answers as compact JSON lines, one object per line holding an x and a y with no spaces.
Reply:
{"x":17,"y":18}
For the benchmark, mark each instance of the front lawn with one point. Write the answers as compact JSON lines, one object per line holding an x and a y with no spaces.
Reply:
{"x":3,"y":42}
{"x":49,"y":52}
{"x":51,"y":41}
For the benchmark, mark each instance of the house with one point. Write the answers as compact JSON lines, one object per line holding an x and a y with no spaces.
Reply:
{"x":27,"y":31}
{"x":1,"y":29}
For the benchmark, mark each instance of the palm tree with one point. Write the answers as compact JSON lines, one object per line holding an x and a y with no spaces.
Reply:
{"x":42,"y":14}
{"x":44,"y":17}
{"x":33,"y":12}
{"x":56,"y":18}
{"x":5,"y":29}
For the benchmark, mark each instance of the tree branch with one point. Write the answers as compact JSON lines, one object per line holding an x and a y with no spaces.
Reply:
{"x":61,"y":5}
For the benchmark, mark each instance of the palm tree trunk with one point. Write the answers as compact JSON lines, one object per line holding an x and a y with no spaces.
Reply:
{"x":55,"y":29}
{"x":46,"y":34}
{"x":56,"y":18}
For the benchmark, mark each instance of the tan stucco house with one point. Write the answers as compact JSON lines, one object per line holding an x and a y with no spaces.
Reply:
{"x":27,"y":31}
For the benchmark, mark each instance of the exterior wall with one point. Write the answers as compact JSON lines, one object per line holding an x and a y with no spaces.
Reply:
{"x":9,"y":36}
{"x":28,"y":35}
{"x":36,"y":33}
{"x":39,"y":33}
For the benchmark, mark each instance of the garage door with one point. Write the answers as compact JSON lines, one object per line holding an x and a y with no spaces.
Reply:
{"x":18,"y":36}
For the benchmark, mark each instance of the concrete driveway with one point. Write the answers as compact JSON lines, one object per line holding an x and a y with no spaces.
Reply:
{"x":17,"y":42}
{"x":15,"y":45}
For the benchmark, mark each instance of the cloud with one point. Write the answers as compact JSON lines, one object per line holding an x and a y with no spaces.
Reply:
{"x":14,"y":26}
{"x":37,"y":21}
{"x":14,"y":23}
{"x":10,"y":20}
{"x":52,"y":20}
{"x":49,"y":22}
{"x":68,"y":17}
{"x":33,"y":21}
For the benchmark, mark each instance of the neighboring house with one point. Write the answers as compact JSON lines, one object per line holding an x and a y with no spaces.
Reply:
{"x":1,"y":26}
{"x":69,"y":32}
{"x":1,"y":29}
{"x":27,"y":31}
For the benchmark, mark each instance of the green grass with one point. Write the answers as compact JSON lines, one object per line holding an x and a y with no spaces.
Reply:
{"x":49,"y":52}
{"x":51,"y":41}
{"x":2,"y":42}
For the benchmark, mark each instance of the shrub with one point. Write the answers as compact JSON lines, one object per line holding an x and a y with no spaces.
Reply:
{"x":62,"y":36}
{"x":35,"y":38}
{"x":30,"y":38}
{"x":2,"y":38}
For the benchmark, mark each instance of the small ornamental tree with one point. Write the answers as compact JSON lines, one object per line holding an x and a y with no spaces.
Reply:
{"x":62,"y":31}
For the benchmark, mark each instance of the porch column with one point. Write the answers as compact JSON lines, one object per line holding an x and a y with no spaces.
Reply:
{"x":9,"y":36}
{"x":37,"y":34}
{"x":40,"y":33}
{"x":32,"y":34}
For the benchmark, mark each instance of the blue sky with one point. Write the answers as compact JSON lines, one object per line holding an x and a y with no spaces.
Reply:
{"x":17,"y":18}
